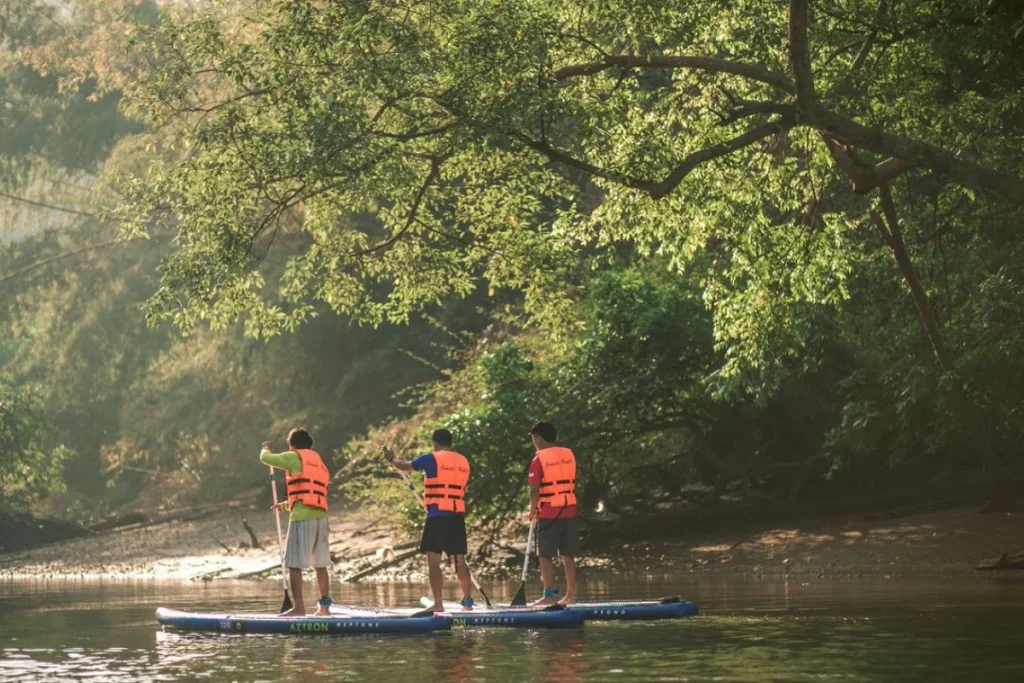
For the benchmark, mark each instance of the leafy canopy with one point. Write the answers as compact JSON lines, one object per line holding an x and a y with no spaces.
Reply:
{"x":406,"y":151}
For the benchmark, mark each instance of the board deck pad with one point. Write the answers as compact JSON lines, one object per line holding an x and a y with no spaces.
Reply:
{"x":537,"y":617}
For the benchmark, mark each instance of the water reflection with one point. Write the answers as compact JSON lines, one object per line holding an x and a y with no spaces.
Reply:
{"x":749,"y":631}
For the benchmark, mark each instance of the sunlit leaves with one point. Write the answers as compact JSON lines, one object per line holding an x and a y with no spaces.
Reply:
{"x":30,"y":465}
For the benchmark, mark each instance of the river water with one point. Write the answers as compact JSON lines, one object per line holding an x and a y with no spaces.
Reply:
{"x":749,"y":630}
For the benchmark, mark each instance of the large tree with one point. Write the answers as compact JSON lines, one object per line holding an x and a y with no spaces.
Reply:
{"x":494,"y":139}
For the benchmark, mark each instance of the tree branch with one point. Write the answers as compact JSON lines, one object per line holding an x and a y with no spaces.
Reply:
{"x":893,"y":237}
{"x":694,"y":160}
{"x":590,"y":169}
{"x":869,"y":41}
{"x":917,"y":153}
{"x":741,"y":109}
{"x":713,"y":64}
{"x":435,"y":169}
{"x":415,"y":134}
{"x":800,"y":58}
{"x":864,"y":177}
{"x":662,"y":188}
{"x":43,"y":205}
{"x":67,"y":254}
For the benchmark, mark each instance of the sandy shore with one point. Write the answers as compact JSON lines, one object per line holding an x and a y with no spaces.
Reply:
{"x":216,"y":546}
{"x":946,"y":543}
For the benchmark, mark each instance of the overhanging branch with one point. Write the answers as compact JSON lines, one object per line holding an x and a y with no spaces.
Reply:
{"x":713,"y":64}
{"x":567,"y":159}
{"x":1009,"y":187}
{"x":662,"y":188}
{"x":864,"y":177}
{"x":435,"y":169}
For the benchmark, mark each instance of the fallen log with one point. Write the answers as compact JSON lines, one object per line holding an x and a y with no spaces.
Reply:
{"x":186,"y":514}
{"x":1004,"y":561}
{"x":277,"y":563}
{"x":381,"y":565}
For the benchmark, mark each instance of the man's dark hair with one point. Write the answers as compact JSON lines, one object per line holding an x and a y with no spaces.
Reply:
{"x":545,"y":430}
{"x":300,"y":438}
{"x":442,"y":437}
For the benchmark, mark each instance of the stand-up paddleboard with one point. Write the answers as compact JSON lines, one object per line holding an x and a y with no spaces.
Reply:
{"x":672,"y":607}
{"x":368,"y":622}
{"x":527,"y":617}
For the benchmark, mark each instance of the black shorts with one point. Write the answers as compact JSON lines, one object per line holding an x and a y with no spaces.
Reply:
{"x":558,"y":537}
{"x":444,"y":535}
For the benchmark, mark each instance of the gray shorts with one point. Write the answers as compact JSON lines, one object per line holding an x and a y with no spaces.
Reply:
{"x":558,"y":537}
{"x":308,"y":544}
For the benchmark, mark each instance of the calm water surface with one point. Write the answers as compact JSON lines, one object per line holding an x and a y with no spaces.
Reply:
{"x":864,"y":630}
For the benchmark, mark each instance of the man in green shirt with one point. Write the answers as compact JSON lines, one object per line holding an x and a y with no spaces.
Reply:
{"x":308,"y":543}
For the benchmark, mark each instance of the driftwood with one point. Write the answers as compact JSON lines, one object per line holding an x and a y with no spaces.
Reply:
{"x":1004,"y":561}
{"x":257,"y":572}
{"x":220,"y":543}
{"x":253,"y":541}
{"x":277,"y":563}
{"x":381,"y":565}
{"x":185,"y":514}
{"x":209,"y":576}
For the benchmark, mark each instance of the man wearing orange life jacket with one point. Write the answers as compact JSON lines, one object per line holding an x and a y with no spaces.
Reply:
{"x":308,"y":541}
{"x":445,"y":475}
{"x":552,"y":479}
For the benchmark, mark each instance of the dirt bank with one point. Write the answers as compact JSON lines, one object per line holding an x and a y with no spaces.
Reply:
{"x":213,"y":546}
{"x":943,"y":543}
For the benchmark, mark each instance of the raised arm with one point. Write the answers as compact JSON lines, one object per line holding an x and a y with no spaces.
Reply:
{"x":288,"y":461}
{"x":389,"y":455}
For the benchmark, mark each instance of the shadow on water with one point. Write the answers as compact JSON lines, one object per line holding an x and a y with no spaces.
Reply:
{"x":750,"y":630}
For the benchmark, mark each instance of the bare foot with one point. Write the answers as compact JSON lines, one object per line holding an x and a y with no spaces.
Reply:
{"x":545,"y":601}
{"x":322,"y":612}
{"x":293,"y":612}
{"x":433,"y":609}
{"x":567,"y":600}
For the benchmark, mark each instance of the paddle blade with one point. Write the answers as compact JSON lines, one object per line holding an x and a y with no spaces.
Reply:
{"x":286,"y":604}
{"x":520,"y":598}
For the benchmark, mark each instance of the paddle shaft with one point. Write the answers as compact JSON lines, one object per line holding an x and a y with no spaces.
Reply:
{"x":408,"y":483}
{"x":526,"y":556}
{"x":280,"y":539}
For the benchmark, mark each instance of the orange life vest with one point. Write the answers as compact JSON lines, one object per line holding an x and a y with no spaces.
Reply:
{"x":448,"y":489}
{"x":558,"y":485}
{"x":309,"y":486}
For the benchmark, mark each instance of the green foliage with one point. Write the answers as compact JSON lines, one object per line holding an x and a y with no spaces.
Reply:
{"x":30,"y":466}
{"x":183,"y":415}
{"x":321,"y":163}
{"x":628,"y":386}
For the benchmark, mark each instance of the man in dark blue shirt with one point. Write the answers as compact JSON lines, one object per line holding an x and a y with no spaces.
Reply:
{"x":445,"y":475}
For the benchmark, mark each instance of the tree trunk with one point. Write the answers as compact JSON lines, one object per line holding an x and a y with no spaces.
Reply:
{"x":978,"y":435}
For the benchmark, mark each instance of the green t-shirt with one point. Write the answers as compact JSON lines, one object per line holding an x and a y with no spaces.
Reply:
{"x":292,"y":463}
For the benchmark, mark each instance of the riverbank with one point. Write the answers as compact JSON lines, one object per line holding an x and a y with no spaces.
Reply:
{"x":945,"y":543}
